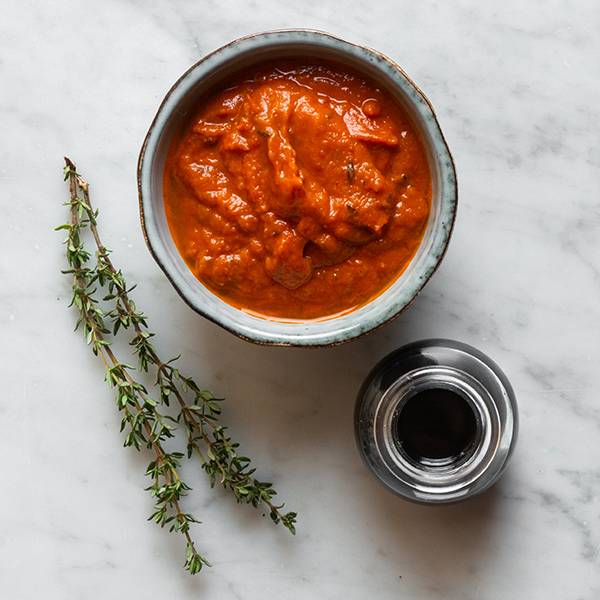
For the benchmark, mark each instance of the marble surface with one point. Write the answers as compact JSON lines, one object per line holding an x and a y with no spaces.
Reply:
{"x":517,"y":91}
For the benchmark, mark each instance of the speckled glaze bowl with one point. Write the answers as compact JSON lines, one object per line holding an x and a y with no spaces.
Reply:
{"x":207,"y":75}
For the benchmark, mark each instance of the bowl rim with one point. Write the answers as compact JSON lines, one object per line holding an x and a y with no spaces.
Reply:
{"x":282,"y":339}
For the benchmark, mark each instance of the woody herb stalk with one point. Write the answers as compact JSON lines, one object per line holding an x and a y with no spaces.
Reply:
{"x":145,"y":421}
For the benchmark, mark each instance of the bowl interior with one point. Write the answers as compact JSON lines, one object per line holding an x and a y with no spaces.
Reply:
{"x":209,"y":74}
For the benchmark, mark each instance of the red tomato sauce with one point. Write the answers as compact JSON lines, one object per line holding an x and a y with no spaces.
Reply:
{"x":298,"y":192}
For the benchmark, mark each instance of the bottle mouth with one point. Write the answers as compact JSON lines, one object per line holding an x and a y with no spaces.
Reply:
{"x":436,"y":430}
{"x":436,"y":427}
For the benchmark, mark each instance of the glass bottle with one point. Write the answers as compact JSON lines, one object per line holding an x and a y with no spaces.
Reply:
{"x":436,"y":421}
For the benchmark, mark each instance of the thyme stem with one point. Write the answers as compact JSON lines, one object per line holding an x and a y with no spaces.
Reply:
{"x":146,"y":425}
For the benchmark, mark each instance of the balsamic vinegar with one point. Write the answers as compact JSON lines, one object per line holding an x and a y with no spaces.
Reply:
{"x":435,"y":426}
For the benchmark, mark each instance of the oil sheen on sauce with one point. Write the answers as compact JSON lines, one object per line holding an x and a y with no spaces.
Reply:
{"x":299,"y":192}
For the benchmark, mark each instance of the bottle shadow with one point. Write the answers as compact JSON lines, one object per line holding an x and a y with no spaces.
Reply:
{"x":441,"y":546}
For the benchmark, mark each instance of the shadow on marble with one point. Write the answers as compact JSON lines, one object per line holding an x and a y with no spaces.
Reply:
{"x":440,"y":544}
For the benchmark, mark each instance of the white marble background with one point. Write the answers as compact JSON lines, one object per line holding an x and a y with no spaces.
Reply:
{"x":517,"y":89}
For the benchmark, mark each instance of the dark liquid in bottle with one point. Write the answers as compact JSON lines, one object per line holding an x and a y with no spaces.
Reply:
{"x":436,"y":426}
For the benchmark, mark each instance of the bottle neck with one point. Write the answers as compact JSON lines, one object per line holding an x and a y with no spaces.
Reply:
{"x":442,"y":479}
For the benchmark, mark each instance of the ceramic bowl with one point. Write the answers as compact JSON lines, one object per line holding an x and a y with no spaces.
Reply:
{"x":211,"y":72}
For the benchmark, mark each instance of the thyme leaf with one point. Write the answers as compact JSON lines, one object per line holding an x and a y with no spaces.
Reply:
{"x":350,"y":171}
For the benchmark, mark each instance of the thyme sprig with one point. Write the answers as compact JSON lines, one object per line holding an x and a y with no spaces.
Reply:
{"x":147,"y":426}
